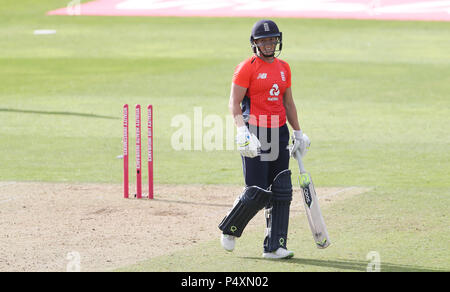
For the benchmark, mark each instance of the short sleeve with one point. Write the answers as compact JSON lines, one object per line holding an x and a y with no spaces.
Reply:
{"x":242,"y":74}
{"x":288,"y":70}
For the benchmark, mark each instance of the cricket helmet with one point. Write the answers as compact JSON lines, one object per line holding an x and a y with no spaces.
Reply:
{"x":265,"y":29}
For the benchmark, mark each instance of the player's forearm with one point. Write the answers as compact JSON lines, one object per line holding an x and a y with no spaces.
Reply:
{"x":292,"y":117}
{"x":236,"y":96}
{"x":291,"y":109}
{"x":236,"y":112}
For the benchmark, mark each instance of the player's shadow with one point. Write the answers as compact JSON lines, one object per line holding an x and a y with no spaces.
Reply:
{"x":86,"y":115}
{"x":193,"y":203}
{"x":352,"y":265}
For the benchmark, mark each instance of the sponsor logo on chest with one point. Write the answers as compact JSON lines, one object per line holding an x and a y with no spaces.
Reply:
{"x":262,"y":76}
{"x":274,"y":92}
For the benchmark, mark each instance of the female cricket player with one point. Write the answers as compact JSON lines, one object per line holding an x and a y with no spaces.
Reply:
{"x":261,"y":103}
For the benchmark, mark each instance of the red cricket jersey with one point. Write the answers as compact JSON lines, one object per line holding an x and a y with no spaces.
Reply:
{"x":266,"y":84}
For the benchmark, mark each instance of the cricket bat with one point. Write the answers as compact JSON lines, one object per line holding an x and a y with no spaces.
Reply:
{"x":315,"y":219}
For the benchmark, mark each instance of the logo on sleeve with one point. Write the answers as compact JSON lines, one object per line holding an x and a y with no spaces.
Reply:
{"x":282,"y":76}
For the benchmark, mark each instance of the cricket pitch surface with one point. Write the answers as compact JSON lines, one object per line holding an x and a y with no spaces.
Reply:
{"x":41,"y":224}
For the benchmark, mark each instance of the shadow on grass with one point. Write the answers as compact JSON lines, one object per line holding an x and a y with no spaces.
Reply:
{"x":194,"y":203}
{"x":57,"y":113}
{"x":354,"y":265}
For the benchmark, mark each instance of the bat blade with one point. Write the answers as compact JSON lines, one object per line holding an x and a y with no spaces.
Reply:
{"x":313,"y":213}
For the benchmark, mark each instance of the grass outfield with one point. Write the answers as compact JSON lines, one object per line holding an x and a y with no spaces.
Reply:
{"x":407,"y":239}
{"x":373,"y":96}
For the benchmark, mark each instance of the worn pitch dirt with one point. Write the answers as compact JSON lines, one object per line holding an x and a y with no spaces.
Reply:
{"x":42,"y":225}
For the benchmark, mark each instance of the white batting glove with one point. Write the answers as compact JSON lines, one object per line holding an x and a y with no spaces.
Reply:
{"x":247,"y":143}
{"x":300,"y":143}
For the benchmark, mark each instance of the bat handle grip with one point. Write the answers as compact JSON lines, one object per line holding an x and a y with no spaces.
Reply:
{"x":298,"y":157}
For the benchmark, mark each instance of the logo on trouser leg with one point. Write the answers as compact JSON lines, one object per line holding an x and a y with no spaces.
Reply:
{"x":281,"y":241}
{"x":233,"y":229}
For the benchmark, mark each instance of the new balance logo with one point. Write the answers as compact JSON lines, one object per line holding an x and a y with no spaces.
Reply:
{"x":262,"y":76}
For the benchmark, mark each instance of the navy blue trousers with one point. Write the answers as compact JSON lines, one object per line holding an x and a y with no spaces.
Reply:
{"x":261,"y":170}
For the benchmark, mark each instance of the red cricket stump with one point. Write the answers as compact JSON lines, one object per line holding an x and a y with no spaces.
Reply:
{"x":125,"y":151}
{"x":150,"y":150}
{"x":138,"y":153}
